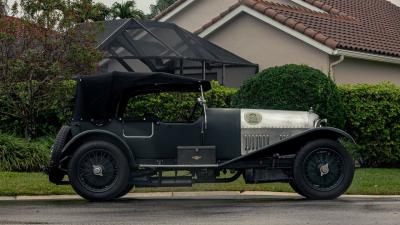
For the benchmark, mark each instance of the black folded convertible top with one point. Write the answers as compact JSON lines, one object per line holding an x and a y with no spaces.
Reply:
{"x":99,"y":97}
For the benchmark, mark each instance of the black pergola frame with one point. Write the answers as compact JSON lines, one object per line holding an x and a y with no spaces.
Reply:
{"x":190,"y":40}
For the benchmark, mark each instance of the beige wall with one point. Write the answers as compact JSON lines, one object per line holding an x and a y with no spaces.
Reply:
{"x":352,"y":71}
{"x":201,"y":12}
{"x":265,"y":45}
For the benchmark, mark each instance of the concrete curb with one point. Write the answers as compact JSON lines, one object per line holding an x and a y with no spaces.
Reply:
{"x":186,"y":195}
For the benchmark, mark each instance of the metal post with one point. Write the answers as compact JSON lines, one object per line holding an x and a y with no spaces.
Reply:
{"x":204,"y":70}
{"x":204,"y":105}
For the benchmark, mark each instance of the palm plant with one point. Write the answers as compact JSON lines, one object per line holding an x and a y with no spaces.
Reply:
{"x":126,"y":10}
{"x":160,"y":6}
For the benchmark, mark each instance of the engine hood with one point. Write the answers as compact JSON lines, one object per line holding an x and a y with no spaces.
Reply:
{"x":259,"y":118}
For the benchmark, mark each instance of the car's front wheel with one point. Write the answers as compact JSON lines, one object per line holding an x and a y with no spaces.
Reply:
{"x":99,"y":171}
{"x":323,"y":169}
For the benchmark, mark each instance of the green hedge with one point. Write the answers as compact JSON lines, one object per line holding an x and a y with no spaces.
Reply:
{"x":373,"y":119}
{"x":20,"y":155}
{"x":177,"y":106}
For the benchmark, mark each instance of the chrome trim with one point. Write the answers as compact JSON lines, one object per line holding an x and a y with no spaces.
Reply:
{"x":204,"y":105}
{"x":139,"y":137}
{"x":180,"y":166}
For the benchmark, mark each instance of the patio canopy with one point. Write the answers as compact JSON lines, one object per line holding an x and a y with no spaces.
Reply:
{"x":163,"y":47}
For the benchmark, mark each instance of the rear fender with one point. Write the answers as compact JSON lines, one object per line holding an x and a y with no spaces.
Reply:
{"x":293,"y":144}
{"x":92,"y":135}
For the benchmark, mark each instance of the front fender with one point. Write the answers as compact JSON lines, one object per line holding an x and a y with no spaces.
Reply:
{"x":92,"y":135}
{"x":293,"y":144}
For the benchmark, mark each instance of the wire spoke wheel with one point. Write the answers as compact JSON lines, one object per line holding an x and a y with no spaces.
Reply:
{"x":98,"y":170}
{"x":323,"y":169}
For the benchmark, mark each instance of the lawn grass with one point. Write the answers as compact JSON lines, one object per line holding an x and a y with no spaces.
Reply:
{"x":366,"y":182}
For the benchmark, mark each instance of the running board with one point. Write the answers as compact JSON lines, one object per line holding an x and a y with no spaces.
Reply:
{"x":178,"y":166}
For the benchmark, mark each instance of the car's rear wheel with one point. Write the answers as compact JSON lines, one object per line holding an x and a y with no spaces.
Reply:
{"x":323,"y":169}
{"x":99,"y":171}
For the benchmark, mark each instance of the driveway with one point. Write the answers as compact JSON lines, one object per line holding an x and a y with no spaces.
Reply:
{"x":205,"y":209}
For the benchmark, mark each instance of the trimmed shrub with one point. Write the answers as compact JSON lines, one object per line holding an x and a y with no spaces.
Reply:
{"x":373,"y":119}
{"x":292,"y":87}
{"x":20,"y":155}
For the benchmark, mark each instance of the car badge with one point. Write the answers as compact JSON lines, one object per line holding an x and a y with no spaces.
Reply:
{"x":197,"y":157}
{"x":253,"y":118}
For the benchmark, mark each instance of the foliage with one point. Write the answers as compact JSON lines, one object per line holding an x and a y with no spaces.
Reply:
{"x":87,"y":10}
{"x":126,"y":10}
{"x":37,"y":53}
{"x":51,"y":116}
{"x":177,"y":106}
{"x":17,"y":154}
{"x":292,"y":87}
{"x":3,"y":7}
{"x":373,"y":119}
{"x":160,"y":6}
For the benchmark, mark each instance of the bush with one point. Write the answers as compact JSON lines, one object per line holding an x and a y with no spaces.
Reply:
{"x":176,"y":106}
{"x":50,"y":116}
{"x":20,"y":155}
{"x":373,"y":119}
{"x":292,"y":87}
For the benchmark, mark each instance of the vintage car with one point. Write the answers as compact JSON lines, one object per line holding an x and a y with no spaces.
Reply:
{"x":105,"y":153}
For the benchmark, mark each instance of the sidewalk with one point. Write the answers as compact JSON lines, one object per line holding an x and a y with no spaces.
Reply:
{"x":186,"y":195}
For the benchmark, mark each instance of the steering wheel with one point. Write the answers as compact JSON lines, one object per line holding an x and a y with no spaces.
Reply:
{"x":151,"y":117}
{"x":190,"y":118}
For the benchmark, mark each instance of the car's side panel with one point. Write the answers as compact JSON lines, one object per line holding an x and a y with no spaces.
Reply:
{"x":223,"y":131}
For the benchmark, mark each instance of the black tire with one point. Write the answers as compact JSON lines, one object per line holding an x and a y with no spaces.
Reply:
{"x":323,"y":169}
{"x":295,"y":188}
{"x":126,"y":191}
{"x":99,"y":171}
{"x":63,"y":135}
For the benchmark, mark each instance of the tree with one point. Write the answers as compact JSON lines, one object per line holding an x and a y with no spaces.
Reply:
{"x":126,"y":10}
{"x":3,"y":8}
{"x":160,"y":6}
{"x":86,"y":10}
{"x":37,"y":53}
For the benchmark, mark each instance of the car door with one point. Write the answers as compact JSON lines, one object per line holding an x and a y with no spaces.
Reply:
{"x":159,"y":140}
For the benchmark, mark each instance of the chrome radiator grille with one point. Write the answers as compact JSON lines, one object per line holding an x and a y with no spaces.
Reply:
{"x":254,"y":139}
{"x":251,"y":142}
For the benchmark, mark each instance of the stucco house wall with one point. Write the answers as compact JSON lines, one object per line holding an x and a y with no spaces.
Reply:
{"x":352,"y":71}
{"x":265,"y":45}
{"x":261,"y":43}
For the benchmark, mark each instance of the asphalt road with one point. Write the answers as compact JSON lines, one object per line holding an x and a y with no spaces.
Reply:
{"x":205,"y":210}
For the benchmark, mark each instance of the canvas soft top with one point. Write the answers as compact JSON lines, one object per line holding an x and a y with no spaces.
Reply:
{"x":99,"y":97}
